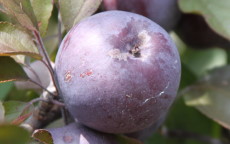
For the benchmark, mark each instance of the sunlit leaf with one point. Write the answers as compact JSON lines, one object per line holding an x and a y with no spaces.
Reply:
{"x":43,"y":136}
{"x":16,"y":112}
{"x":12,"y":134}
{"x":72,"y":11}
{"x":215,"y":12}
{"x":2,"y":112}
{"x":14,"y":41}
{"x":10,"y":70}
{"x":42,"y":10}
{"x":22,"y":11}
{"x":211,"y":96}
{"x":87,"y":9}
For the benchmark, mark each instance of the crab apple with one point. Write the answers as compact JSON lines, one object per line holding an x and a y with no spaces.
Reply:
{"x":118,"y":72}
{"x":164,"y":12}
{"x":149,"y":131}
{"x":76,"y":133}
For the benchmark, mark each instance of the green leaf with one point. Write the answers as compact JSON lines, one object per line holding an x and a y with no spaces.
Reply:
{"x":215,"y":12}
{"x":72,"y":11}
{"x":187,"y":77}
{"x":5,"y":89}
{"x":22,"y":11}
{"x":14,"y":41}
{"x":42,"y":10}
{"x":51,"y":39}
{"x":211,"y":96}
{"x":26,"y":113}
{"x":43,"y":136}
{"x":16,"y":112}
{"x":2,"y":112}
{"x":10,"y":70}
{"x":12,"y":134}
{"x":198,"y":61}
{"x":201,"y":61}
{"x":127,"y":140}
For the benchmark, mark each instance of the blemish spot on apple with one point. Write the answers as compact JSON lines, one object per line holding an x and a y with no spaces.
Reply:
{"x":86,"y":73}
{"x":66,"y":42}
{"x":68,"y":139}
{"x":68,"y":76}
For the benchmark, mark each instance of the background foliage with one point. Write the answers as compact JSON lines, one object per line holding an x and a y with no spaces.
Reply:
{"x":200,"y":113}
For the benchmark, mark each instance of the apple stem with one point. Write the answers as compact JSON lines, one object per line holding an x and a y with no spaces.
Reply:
{"x":46,"y":60}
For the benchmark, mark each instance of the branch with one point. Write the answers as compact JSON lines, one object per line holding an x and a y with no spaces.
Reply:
{"x":42,"y":87}
{"x":46,"y":112}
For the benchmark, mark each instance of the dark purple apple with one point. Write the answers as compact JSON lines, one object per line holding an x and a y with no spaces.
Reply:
{"x":164,"y":12}
{"x":149,"y":131}
{"x":195,"y":32}
{"x":118,"y":72}
{"x":76,"y":133}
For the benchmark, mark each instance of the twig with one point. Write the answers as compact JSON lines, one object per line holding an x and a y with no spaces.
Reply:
{"x":47,"y":111}
{"x":30,"y":80}
{"x":46,"y":59}
{"x":66,"y":116}
{"x":45,"y":100}
{"x":190,"y":135}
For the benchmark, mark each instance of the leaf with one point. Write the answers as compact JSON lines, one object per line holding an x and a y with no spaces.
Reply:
{"x":72,"y":11}
{"x":51,"y":39}
{"x":10,"y":70}
{"x":87,"y":9}
{"x":26,"y":113}
{"x":215,"y":12}
{"x":22,"y":11}
{"x":5,"y":89}
{"x":16,"y":112}
{"x":43,"y":136}
{"x":42,"y":10}
{"x":14,"y":41}
{"x":200,"y":61}
{"x":2,"y":112}
{"x":211,"y":96}
{"x":12,"y":134}
{"x":127,"y":140}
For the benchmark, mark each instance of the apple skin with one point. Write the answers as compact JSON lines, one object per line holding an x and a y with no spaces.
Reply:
{"x":149,"y":131}
{"x":118,"y":72}
{"x":164,"y":12}
{"x":196,"y":33}
{"x":76,"y":133}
